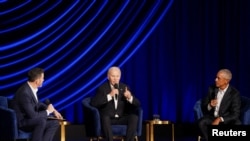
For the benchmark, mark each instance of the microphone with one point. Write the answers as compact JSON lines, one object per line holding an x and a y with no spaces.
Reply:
{"x":216,"y":94}
{"x":116,"y":87}
{"x":47,"y":102}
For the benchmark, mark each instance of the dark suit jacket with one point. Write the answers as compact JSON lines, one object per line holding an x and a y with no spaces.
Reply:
{"x":26,"y":105}
{"x":229,"y":107}
{"x":107,"y":107}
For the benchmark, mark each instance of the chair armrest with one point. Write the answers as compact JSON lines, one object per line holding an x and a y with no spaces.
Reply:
{"x":245,"y":110}
{"x":140,"y":120}
{"x":197,"y":110}
{"x":92,"y":118}
{"x":245,"y":117}
{"x":8,"y":124}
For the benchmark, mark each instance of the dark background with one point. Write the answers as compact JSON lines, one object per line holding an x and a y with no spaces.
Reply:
{"x":169,"y":51}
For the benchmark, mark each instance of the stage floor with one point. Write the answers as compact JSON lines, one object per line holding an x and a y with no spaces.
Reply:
{"x":183,"y":132}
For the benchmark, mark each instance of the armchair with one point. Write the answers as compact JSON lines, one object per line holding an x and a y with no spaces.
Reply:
{"x":8,"y":123}
{"x":93,"y":123}
{"x":244,"y":113}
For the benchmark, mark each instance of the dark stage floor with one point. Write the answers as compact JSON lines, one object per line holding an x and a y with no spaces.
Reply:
{"x":162,"y":139}
{"x":183,"y":132}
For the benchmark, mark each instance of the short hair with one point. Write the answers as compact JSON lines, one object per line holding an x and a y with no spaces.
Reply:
{"x":114,"y":68}
{"x":227,"y":73}
{"x":34,"y":74}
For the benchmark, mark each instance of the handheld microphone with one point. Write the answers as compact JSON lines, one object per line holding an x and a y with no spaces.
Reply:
{"x":215,"y":95}
{"x":47,"y":102}
{"x":116,"y":87}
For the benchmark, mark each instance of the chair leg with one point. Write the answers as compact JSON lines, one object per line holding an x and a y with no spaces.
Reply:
{"x":100,"y":138}
{"x":121,"y":138}
{"x":94,"y":138}
{"x":199,"y":138}
{"x":136,"y":138}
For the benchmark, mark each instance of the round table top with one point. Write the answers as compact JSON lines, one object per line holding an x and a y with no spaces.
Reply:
{"x":64,"y":122}
{"x":158,"y":121}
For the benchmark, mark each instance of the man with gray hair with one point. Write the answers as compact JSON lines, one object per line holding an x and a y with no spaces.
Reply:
{"x":116,"y":104}
{"x":221,"y":105}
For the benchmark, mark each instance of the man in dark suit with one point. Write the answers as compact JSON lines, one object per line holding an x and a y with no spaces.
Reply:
{"x":222,"y":104}
{"x":116,"y":105}
{"x":32,"y":114}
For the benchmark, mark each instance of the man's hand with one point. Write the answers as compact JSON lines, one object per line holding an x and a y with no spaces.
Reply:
{"x":127,"y":93}
{"x":213,"y":102}
{"x":113,"y":92}
{"x":216,"y":121}
{"x":58,"y":115}
{"x":50,"y":108}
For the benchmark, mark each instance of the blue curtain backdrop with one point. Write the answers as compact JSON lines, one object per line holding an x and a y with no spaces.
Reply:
{"x":169,"y":50}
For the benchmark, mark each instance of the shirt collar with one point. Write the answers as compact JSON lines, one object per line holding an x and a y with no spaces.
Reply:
{"x":34,"y":90}
{"x":224,"y":89}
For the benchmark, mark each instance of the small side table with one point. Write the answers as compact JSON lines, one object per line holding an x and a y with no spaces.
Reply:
{"x":63,"y":123}
{"x":150,"y":128}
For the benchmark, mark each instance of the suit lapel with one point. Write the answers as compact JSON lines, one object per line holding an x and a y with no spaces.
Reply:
{"x":31,"y":93}
{"x":225,"y":98}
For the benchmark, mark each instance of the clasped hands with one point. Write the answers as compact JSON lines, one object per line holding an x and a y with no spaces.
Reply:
{"x":126,"y":93}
